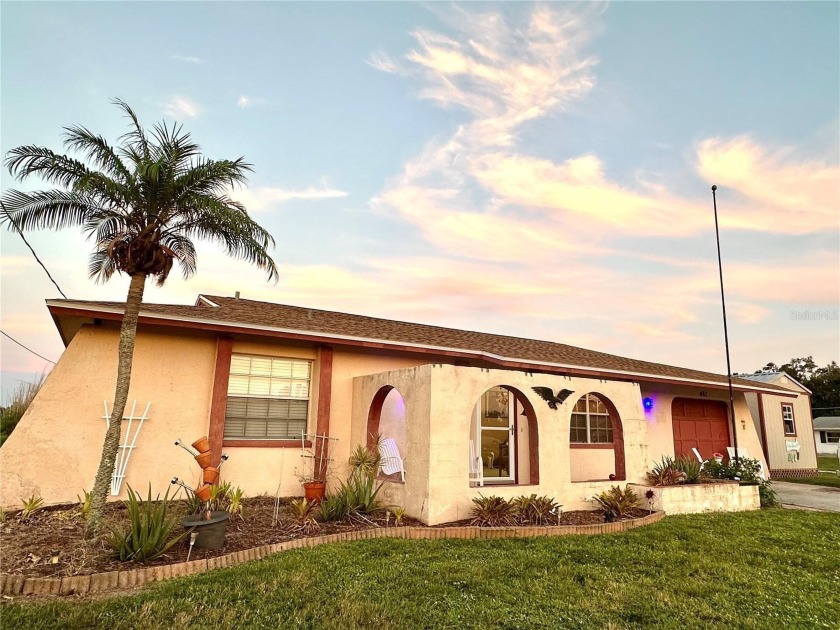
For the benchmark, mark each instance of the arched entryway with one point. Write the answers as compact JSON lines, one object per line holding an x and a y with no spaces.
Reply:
{"x":504,"y":439}
{"x":386,"y":421}
{"x":596,"y":440}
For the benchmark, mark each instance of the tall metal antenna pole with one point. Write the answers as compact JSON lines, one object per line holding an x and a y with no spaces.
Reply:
{"x":725,"y":333}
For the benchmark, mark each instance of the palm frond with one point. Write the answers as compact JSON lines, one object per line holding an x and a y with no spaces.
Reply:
{"x":97,"y":150}
{"x":54,"y":168}
{"x":49,"y":209}
{"x":184,"y":251}
{"x":136,"y":136}
{"x":101,"y":266}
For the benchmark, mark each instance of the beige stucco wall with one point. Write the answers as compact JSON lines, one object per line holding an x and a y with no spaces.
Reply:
{"x":699,"y":498}
{"x":439,"y":401}
{"x":55,"y":449}
{"x":661,"y":432}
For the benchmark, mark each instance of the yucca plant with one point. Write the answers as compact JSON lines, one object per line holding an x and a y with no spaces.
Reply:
{"x":149,"y":533}
{"x":218,"y":495}
{"x":617,"y":501}
{"x":30,"y":506}
{"x":366,"y":459}
{"x":304,"y":516}
{"x":664,"y":473}
{"x":536,"y":510}
{"x":492,"y":511}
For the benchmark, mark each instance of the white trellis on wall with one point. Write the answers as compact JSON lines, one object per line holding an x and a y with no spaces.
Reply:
{"x":128,"y":445}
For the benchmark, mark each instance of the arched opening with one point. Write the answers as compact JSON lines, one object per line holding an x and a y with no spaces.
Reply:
{"x":386,"y":420}
{"x":596,"y":440}
{"x":504,"y":439}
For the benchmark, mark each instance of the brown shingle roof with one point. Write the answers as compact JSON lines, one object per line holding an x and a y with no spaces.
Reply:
{"x":250,"y":313}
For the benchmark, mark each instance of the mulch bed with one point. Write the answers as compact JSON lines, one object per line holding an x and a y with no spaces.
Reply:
{"x":52,"y":543}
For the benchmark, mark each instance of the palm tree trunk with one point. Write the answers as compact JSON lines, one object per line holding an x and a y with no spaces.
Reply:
{"x":128,"y":334}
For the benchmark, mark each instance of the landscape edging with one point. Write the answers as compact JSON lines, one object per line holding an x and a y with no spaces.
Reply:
{"x":130,"y":578}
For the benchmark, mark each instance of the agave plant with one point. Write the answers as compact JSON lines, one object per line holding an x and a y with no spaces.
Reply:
{"x":665,"y":473}
{"x":149,"y":532}
{"x":30,"y":506}
{"x":692,"y":470}
{"x":535,"y":510}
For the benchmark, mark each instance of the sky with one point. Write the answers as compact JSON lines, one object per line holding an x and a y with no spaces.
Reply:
{"x":536,"y":170}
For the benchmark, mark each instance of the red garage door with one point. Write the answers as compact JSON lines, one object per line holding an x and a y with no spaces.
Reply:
{"x":699,"y":423}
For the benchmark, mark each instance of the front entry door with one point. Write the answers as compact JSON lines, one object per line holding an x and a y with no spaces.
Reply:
{"x":497,"y":428}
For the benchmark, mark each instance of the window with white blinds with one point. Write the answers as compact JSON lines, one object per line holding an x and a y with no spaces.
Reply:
{"x":268,"y":398}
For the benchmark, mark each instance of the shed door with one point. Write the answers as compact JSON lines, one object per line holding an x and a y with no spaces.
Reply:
{"x":699,"y":423}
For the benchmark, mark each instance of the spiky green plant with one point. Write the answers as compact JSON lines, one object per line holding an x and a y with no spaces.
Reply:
{"x":692,"y":470}
{"x":399,"y":514}
{"x":30,"y":506}
{"x":492,"y":511}
{"x":618,"y":501}
{"x":535,"y":510}
{"x":366,"y":459}
{"x":150,"y":528}
{"x":664,"y":473}
{"x":304,"y":516}
{"x":84,"y":504}
{"x":143,"y":202}
{"x":219,"y":495}
{"x":235,"y":506}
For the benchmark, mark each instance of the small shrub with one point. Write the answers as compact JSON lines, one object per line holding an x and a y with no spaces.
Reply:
{"x":30,"y":506}
{"x":617,"y":501}
{"x":398,"y":513}
{"x":219,"y":495}
{"x":149,"y":533}
{"x":304,"y":515}
{"x":492,"y":511}
{"x":235,"y":506}
{"x":664,"y":473}
{"x":767,"y":495}
{"x":17,"y":404}
{"x":534,"y":510}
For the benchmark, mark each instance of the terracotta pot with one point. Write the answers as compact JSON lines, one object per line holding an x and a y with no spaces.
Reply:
{"x":203,"y":492}
{"x":204,"y":459}
{"x":314,"y":490}
{"x":202,"y":445}
{"x":211,"y":475}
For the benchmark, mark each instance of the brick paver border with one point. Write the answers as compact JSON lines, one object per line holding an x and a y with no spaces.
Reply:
{"x":114,"y":580}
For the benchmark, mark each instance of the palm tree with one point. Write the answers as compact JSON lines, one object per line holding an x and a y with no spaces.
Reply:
{"x":143,"y":202}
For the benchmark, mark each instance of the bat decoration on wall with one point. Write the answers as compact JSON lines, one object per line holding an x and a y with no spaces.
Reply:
{"x":548,"y":395}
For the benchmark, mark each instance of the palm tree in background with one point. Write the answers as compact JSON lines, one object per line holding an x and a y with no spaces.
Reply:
{"x":143,"y":202}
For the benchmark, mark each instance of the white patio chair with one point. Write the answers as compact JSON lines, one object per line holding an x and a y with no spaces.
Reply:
{"x":476,"y":466}
{"x":698,"y":456}
{"x":390,"y":460}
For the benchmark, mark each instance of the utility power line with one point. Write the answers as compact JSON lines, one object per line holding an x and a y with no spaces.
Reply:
{"x":25,"y":348}
{"x":43,"y":266}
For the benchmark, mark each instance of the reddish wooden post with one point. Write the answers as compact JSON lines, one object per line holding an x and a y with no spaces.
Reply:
{"x":322,"y":426}
{"x":218,"y":403}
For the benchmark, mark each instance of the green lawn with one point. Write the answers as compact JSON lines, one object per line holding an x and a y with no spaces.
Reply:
{"x":768,"y":569}
{"x":830,"y":479}
{"x":827,"y":462}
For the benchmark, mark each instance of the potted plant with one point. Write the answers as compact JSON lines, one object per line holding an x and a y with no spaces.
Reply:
{"x":209,"y":520}
{"x":315,"y":480}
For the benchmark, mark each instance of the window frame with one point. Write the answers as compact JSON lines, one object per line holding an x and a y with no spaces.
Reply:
{"x":589,"y":428}
{"x":785,"y":419}
{"x":273,"y":441}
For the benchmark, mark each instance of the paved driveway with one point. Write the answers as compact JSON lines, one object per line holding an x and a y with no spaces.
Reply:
{"x":804,"y":495}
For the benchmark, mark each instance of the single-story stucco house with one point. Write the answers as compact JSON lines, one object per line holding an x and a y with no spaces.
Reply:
{"x":827,"y":434}
{"x":785,"y":426}
{"x":253,"y":376}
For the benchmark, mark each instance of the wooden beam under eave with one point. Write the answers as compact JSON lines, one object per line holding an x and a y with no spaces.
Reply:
{"x":218,"y":403}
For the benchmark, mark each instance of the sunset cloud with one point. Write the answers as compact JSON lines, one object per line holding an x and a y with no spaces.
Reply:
{"x":181,"y":107}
